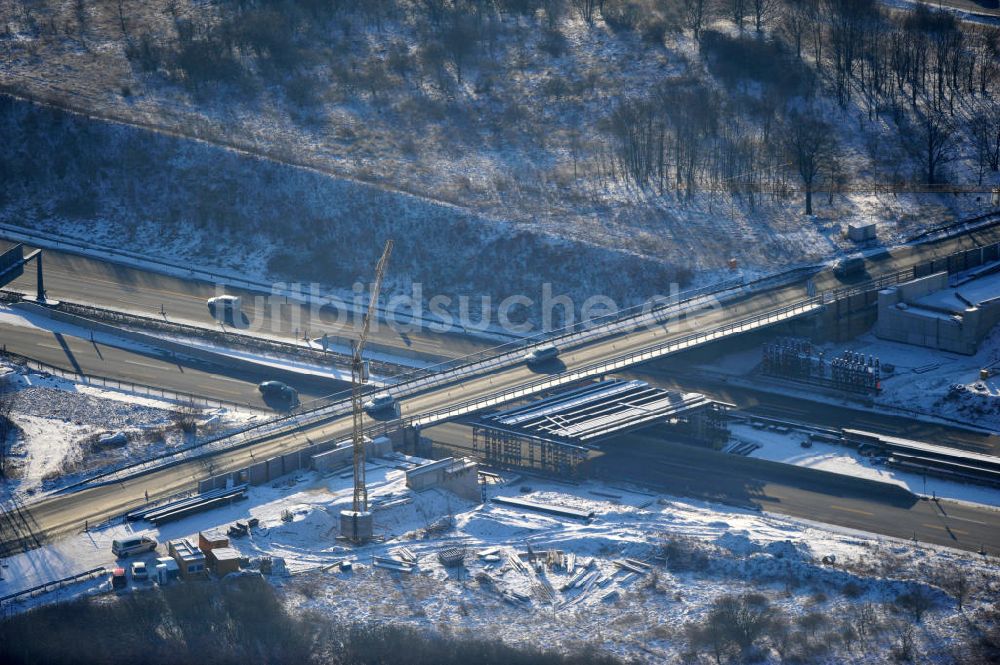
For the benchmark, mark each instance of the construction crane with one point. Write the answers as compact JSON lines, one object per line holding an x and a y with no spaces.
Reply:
{"x":359,"y":532}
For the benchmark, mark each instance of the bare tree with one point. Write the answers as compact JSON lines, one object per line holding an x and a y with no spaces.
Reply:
{"x":738,"y":12}
{"x":461,"y":40}
{"x":8,"y":395}
{"x":984,"y":131}
{"x":935,"y":142}
{"x":810,"y":145}
{"x":916,"y":603}
{"x":587,"y":8}
{"x":795,"y":24}
{"x":762,"y":11}
{"x":957,"y":583}
{"x":695,"y":15}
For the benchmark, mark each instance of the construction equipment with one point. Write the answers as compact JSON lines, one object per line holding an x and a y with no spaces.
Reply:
{"x":356,"y":524}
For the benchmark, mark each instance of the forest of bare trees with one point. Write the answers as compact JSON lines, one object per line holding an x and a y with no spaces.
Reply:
{"x":933,"y":78}
{"x":8,"y":396}
{"x":744,"y":93}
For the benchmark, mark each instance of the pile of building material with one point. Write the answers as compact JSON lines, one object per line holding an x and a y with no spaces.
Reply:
{"x":392,"y":563}
{"x":551,"y":509}
{"x":406,"y":555}
{"x":452,"y":557}
{"x":176,"y":510}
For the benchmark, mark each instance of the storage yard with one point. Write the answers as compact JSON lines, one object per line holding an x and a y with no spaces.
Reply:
{"x":604,"y":564}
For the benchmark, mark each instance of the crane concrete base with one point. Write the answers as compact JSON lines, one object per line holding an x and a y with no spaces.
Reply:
{"x":356,"y":526}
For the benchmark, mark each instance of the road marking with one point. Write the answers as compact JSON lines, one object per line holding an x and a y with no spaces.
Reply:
{"x":946,"y":528}
{"x":852,"y":510}
{"x":966,"y":519}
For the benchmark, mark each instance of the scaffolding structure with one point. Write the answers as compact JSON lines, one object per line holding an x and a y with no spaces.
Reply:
{"x":556,"y":434}
{"x":510,"y":449}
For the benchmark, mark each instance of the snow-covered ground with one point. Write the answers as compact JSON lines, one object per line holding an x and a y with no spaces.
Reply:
{"x":57,"y":422}
{"x":787,"y":447}
{"x":920,"y":385}
{"x":710,"y":551}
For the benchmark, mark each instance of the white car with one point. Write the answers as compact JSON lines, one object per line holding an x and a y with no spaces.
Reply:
{"x":139,"y":571}
{"x":380,"y":402}
{"x":541,"y":355}
{"x":222,"y":306}
{"x":124,"y":547}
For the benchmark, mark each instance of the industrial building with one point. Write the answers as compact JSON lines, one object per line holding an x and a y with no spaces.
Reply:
{"x":928,"y":312}
{"x":556,"y":434}
{"x":460,"y":477}
{"x":190,"y":560}
{"x":223,"y":560}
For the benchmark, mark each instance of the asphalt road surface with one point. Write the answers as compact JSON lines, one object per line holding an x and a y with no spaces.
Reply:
{"x":101,"y":282}
{"x":820,"y":413}
{"x":85,"y":280}
{"x":53,"y":516}
{"x":686,"y":470}
{"x":158,"y":369}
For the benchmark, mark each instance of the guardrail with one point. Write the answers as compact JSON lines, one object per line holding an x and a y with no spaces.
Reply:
{"x":116,"y":384}
{"x":53,"y":585}
{"x":339,"y":403}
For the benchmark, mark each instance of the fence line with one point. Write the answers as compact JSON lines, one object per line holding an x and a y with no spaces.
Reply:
{"x":55,"y":585}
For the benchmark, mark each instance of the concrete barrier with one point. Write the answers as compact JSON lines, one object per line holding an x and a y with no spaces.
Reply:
{"x":290,"y":462}
{"x":258,"y":473}
{"x":333,"y":459}
{"x":274,"y":468}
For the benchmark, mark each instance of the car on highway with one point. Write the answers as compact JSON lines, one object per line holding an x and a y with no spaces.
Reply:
{"x":278,"y":390}
{"x":139,"y":571}
{"x":224,"y":307}
{"x":849,"y":267}
{"x":541,"y":354}
{"x":125,"y":547}
{"x":380,"y":402}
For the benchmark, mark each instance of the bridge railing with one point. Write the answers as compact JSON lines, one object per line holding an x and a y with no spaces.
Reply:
{"x":290,"y":424}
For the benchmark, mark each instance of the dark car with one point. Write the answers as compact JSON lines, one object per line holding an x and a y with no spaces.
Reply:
{"x":278,"y":390}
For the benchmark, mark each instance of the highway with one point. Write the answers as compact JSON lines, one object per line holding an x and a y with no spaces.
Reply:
{"x":53,"y":516}
{"x":151,"y":367}
{"x":669,"y":374}
{"x":686,"y":470}
{"x":104,"y":283}
{"x":81,"y":279}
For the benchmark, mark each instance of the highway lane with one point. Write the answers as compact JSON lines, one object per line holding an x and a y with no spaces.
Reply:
{"x":672,"y":374}
{"x":57,"y":515}
{"x":152,"y":367}
{"x":104,"y":283}
{"x":686,"y":470}
{"x":86,"y":280}
{"x":53,"y":516}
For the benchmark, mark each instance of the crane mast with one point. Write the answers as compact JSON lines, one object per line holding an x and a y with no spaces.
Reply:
{"x":360,"y":504}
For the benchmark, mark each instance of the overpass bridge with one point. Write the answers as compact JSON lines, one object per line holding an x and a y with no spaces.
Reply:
{"x":459,"y":388}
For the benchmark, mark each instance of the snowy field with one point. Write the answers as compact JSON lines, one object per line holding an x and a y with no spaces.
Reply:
{"x":787,"y":448}
{"x":57,"y":424}
{"x":690,"y":554}
{"x":920,"y":385}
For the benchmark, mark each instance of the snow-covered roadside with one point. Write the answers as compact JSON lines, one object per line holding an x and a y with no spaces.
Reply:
{"x":730,"y":550}
{"x":920,"y":385}
{"x":787,"y":448}
{"x":221,"y":276}
{"x":57,"y":422}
